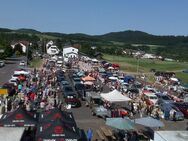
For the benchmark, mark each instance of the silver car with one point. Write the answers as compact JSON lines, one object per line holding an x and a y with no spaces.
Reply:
{"x":2,"y":63}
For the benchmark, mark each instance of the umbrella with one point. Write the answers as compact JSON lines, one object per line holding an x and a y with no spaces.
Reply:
{"x":88,"y":78}
{"x":57,"y":131}
{"x":18,"y":118}
{"x":55,"y":114}
{"x":149,"y":122}
{"x":120,"y":123}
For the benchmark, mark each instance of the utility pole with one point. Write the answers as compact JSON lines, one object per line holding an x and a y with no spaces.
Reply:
{"x":27,"y":54}
{"x":138,"y":63}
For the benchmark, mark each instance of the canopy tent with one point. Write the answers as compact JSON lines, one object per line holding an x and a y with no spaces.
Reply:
{"x":18,"y":118}
{"x":120,"y":123}
{"x":115,"y":96}
{"x":55,"y":114}
{"x":94,"y":60}
{"x":171,"y":136}
{"x":57,"y":130}
{"x":149,"y":122}
{"x":88,"y":78}
{"x":11,"y":133}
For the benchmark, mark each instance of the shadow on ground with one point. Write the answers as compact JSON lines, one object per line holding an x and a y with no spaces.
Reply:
{"x":83,"y":135}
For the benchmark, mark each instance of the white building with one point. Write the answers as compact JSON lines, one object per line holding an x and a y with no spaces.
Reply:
{"x":148,"y":56}
{"x":23,"y":45}
{"x":52,"y":49}
{"x":70,"y":52}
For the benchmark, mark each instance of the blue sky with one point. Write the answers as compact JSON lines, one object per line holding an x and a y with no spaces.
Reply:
{"x":159,"y":17}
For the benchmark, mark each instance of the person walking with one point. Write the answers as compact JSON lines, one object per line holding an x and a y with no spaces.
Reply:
{"x":89,"y":134}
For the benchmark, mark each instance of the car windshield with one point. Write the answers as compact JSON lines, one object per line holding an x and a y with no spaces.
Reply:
{"x":153,"y":97}
{"x":68,"y":89}
{"x":165,"y":98}
{"x":79,"y":86}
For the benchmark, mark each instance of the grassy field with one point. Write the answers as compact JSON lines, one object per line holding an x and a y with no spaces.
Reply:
{"x":183,"y":76}
{"x":35,"y":63}
{"x":130,"y":64}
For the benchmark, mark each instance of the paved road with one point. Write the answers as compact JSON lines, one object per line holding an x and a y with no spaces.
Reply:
{"x":10,"y":66}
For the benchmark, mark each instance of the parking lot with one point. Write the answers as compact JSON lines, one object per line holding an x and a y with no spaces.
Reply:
{"x":83,"y":115}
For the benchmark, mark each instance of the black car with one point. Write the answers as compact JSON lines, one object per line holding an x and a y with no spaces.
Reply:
{"x":60,"y":78}
{"x":80,"y":89}
{"x":68,"y":91}
{"x":74,"y":102}
{"x":63,"y":84}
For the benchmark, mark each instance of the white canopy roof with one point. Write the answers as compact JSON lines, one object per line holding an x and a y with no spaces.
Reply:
{"x":94,"y":60}
{"x":11,"y":133}
{"x":115,"y":96}
{"x":171,"y":136}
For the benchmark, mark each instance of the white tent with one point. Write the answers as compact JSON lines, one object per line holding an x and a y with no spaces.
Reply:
{"x":94,"y":60}
{"x":171,"y":136}
{"x":11,"y":133}
{"x":114,"y":96}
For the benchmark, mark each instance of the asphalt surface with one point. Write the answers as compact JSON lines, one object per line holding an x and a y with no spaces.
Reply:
{"x":11,"y":64}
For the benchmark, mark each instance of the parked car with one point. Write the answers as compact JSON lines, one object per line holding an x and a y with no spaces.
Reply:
{"x":59,"y":63}
{"x":183,"y":107}
{"x":60,"y":78}
{"x":167,"y":108}
{"x":63,"y":83}
{"x":14,"y":81}
{"x":150,"y":98}
{"x":149,"y":88}
{"x":2,"y":63}
{"x":76,"y":80}
{"x":101,"y":112}
{"x":74,"y":102}
{"x":162,"y":98}
{"x":22,"y":63}
{"x":15,"y":76}
{"x":80,"y":89}
{"x":93,"y":99}
{"x":21,"y":71}
{"x":68,"y":91}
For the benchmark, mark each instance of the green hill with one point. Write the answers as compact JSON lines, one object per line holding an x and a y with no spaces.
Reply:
{"x":175,"y":47}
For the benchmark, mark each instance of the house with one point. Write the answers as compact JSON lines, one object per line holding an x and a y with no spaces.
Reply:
{"x":148,"y":56}
{"x":52,"y":49}
{"x":70,"y":52}
{"x":22,"y":44}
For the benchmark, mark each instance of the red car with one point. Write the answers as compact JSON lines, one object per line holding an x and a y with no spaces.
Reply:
{"x":183,"y":107}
